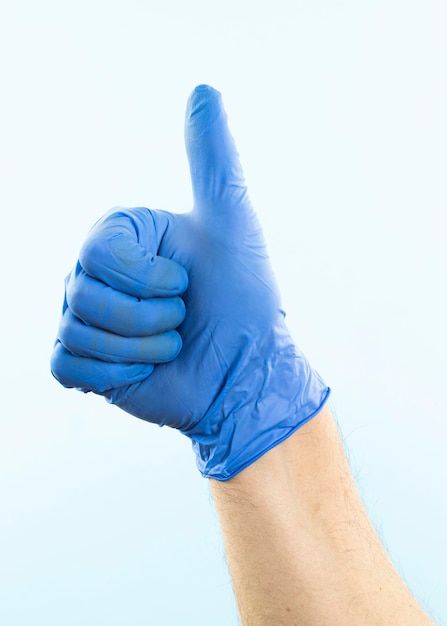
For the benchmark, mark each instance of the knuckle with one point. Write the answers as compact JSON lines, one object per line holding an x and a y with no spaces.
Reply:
{"x":69,"y":332}
{"x":59,"y":366}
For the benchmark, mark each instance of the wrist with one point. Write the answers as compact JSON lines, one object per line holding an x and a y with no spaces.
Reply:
{"x":263,"y":401}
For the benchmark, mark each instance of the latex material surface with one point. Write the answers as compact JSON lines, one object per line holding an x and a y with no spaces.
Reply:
{"x":177,"y":318}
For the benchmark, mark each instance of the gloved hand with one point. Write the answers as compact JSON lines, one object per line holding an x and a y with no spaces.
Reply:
{"x":238,"y":385}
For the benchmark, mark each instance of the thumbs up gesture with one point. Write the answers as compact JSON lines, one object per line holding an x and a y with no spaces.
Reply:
{"x":177,"y":319}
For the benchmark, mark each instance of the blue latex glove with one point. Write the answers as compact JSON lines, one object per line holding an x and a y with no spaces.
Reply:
{"x":238,"y":385}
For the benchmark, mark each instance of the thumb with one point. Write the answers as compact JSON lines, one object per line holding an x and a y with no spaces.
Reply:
{"x":216,"y":174}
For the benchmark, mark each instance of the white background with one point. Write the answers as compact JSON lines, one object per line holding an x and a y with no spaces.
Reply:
{"x":338,"y":109}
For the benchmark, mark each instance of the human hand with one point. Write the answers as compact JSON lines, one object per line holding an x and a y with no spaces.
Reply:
{"x":238,"y":385}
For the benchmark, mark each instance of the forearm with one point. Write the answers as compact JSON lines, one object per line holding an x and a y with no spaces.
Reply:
{"x":299,"y":544}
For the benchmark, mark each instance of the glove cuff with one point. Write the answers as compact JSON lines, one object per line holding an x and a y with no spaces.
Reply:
{"x":261,"y":405}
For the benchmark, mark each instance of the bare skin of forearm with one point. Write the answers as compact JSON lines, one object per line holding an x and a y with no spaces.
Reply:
{"x":300,"y":547}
